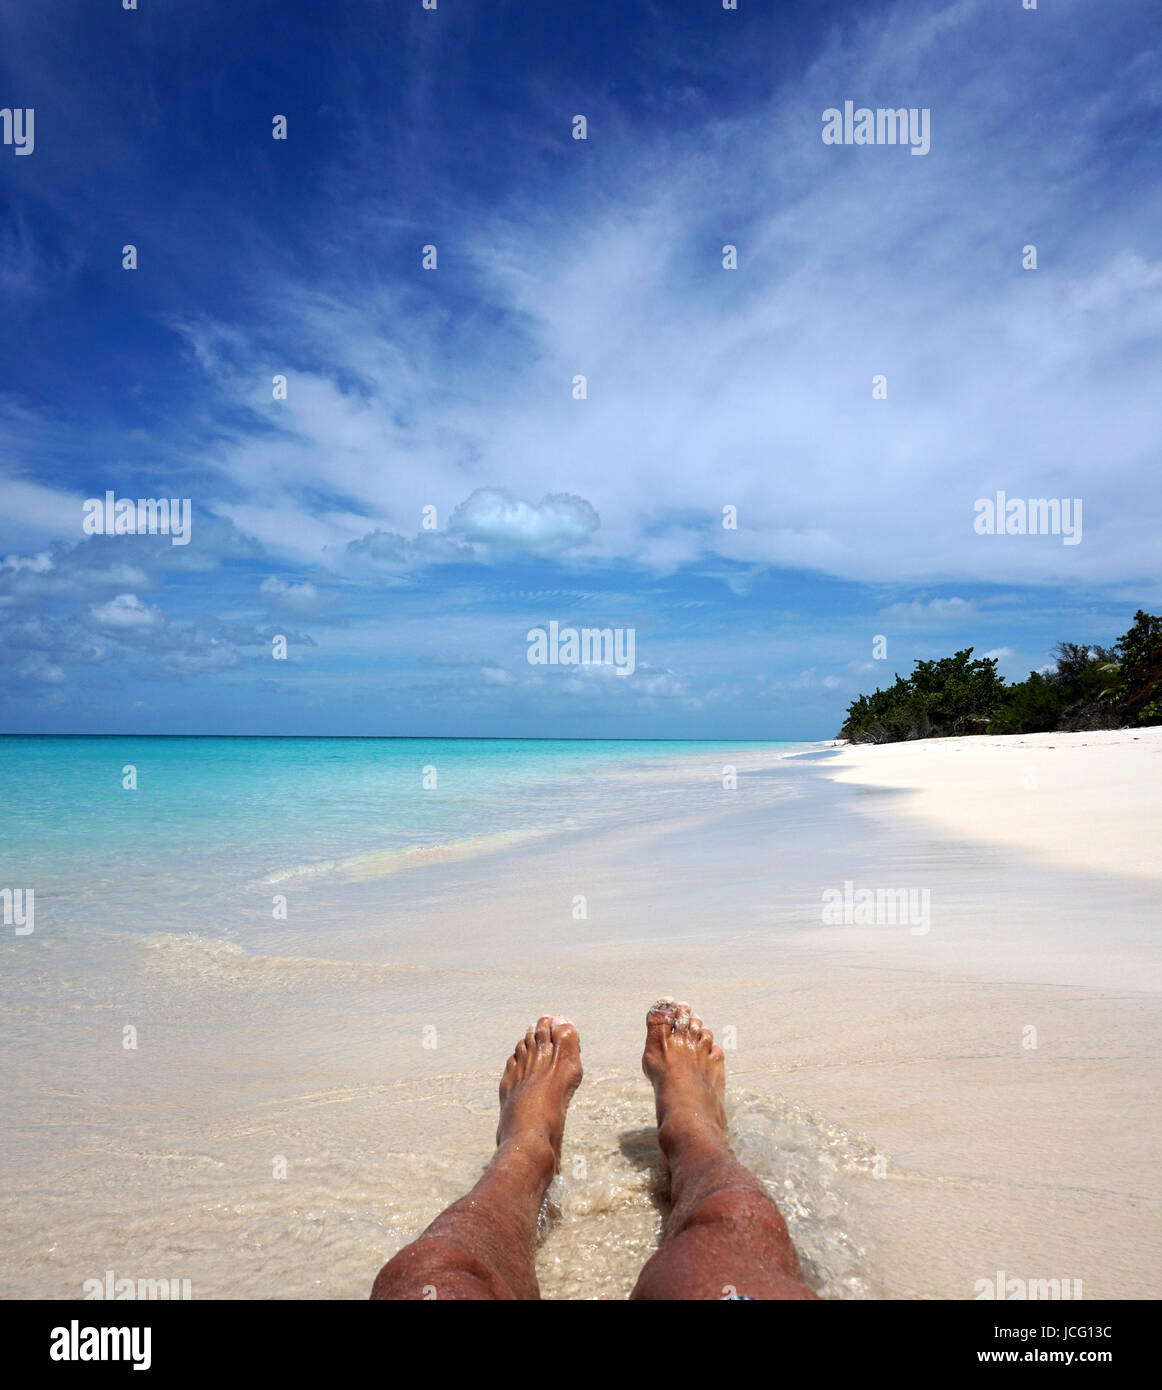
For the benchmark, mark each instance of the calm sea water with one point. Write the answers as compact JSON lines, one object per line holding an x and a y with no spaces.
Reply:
{"x":213,"y":820}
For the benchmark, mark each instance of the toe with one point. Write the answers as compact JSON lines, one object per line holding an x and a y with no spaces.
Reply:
{"x":660,"y":1019}
{"x":544,"y":1032}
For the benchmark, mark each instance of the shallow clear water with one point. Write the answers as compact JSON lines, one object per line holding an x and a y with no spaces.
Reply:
{"x":215,"y":820}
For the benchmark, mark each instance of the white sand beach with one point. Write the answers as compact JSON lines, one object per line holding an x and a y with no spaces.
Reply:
{"x":1047,"y":1157}
{"x":1087,"y":801}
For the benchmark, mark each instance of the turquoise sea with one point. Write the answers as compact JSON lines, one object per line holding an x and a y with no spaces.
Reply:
{"x":215,"y":822}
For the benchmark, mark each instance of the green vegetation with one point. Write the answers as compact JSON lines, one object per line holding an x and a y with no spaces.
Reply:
{"x":1090,"y":687}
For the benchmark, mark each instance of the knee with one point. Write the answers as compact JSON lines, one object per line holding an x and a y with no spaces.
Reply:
{"x":744,"y":1210}
{"x":433,"y":1268}
{"x":746,"y":1221}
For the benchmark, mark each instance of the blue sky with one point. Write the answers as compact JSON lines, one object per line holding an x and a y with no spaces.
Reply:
{"x":453,"y":388}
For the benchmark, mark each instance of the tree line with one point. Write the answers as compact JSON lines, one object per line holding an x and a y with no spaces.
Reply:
{"x":1089,"y":687}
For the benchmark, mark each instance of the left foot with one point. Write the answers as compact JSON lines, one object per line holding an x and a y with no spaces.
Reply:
{"x":536,"y":1088}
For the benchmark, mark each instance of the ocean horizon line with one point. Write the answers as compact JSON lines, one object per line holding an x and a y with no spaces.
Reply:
{"x":429,"y":738}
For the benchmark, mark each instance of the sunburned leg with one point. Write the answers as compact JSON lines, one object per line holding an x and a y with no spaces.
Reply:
{"x":725,"y":1236}
{"x":482,"y":1247}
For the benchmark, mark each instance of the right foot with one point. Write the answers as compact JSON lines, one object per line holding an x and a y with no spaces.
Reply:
{"x":536,"y":1088}
{"x":688,"y":1074}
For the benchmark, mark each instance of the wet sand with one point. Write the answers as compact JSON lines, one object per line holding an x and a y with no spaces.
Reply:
{"x":881,"y":1080}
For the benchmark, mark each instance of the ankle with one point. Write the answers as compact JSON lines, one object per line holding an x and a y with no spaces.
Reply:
{"x":687,"y":1133}
{"x":529,"y":1150}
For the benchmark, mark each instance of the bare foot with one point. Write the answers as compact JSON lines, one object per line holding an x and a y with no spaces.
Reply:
{"x":536,"y":1088}
{"x":725,"y":1237}
{"x":688,"y":1074}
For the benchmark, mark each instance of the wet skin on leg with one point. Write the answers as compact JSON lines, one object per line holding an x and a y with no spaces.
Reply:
{"x":483,"y":1246}
{"x":725,"y":1236}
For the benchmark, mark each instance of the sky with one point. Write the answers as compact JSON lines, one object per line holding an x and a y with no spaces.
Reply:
{"x":430,"y":487}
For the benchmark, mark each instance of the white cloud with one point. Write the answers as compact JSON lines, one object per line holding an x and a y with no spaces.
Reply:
{"x":39,"y":668}
{"x":493,"y":517}
{"x":212,"y":657}
{"x":293,"y":598}
{"x":33,"y":511}
{"x":34,"y":564}
{"x":944,"y":612}
{"x":394,"y":553}
{"x":126,"y":614}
